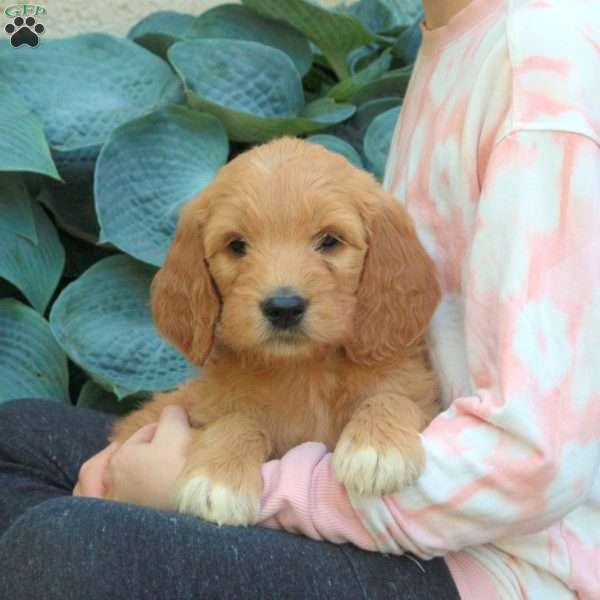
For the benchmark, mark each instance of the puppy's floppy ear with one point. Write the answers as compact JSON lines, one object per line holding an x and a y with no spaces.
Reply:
{"x":398,"y":291}
{"x":185,"y":305}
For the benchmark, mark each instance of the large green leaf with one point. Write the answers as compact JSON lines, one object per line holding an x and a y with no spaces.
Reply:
{"x":353,"y":131}
{"x":148,"y":169}
{"x":23,"y":146}
{"x":407,"y":44}
{"x":335,"y":34}
{"x":349,"y":87}
{"x":254,"y":90}
{"x":242,"y":127}
{"x":362,"y":57}
{"x":374,"y":14}
{"x":404,"y":13}
{"x":336,"y":144}
{"x":378,"y":139}
{"x":83,"y":87}
{"x":240,"y":75}
{"x":34,"y":268}
{"x":159,"y":30}
{"x":235,"y":22}
{"x":32,"y":364}
{"x":16,"y":216}
{"x":392,"y":83}
{"x":102,"y":321}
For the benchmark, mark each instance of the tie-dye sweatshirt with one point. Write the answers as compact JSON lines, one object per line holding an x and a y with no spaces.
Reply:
{"x":496,"y":156}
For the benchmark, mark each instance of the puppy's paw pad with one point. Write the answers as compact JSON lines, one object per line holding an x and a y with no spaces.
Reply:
{"x":364,"y":470}
{"x":217,"y":503}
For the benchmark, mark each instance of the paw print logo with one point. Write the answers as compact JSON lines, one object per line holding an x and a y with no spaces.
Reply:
{"x":24,"y":31}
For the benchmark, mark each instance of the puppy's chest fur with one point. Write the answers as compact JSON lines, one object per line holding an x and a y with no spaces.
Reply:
{"x":299,"y":403}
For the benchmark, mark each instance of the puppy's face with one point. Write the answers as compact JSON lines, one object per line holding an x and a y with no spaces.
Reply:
{"x":290,"y":250}
{"x":285,"y":244}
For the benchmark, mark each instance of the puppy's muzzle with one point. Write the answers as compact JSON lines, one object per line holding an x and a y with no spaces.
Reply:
{"x":284,"y":309}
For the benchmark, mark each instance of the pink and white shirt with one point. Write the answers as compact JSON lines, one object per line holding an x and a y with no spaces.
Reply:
{"x":497,"y":158}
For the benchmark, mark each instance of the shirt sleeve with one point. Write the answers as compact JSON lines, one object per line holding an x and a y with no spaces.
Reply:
{"x":522,"y":450}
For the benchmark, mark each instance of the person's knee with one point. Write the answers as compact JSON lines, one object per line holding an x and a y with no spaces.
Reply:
{"x":61,"y":524}
{"x":15,"y":413}
{"x":41,"y":548}
{"x":18,"y":418}
{"x":44,"y":524}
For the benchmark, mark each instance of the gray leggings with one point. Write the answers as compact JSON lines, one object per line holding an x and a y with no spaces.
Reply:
{"x":56,"y":547}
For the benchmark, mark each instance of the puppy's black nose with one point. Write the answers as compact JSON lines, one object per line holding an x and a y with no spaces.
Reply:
{"x":284,"y":308}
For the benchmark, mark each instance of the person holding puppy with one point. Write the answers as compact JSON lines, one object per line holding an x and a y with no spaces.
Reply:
{"x":496,"y":158}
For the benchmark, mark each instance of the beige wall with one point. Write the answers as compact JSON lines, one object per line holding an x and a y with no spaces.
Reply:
{"x":68,"y":17}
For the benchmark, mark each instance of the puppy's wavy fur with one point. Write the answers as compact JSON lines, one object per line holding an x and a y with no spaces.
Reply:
{"x":353,"y":375}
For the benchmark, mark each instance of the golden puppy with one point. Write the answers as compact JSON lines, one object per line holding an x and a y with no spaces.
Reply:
{"x":301,"y":288}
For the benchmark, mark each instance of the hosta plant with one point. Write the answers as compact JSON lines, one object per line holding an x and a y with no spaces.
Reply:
{"x":104,"y":139}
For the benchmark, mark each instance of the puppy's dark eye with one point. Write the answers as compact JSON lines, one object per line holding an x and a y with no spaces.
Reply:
{"x":238,"y":247}
{"x":327,"y":242}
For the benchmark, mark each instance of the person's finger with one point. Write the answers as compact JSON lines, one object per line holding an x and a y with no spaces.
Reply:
{"x":91,"y":473}
{"x":129,"y":448}
{"x":173,"y":425}
{"x":142,"y":435}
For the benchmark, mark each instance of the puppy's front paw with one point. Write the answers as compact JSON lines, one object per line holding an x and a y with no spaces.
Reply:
{"x":218,"y":502}
{"x":367,"y":470}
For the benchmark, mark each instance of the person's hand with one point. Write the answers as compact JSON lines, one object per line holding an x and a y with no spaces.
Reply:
{"x":91,"y":473}
{"x":145,"y":468}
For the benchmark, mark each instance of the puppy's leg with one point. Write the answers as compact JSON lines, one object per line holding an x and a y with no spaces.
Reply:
{"x":199,"y":399}
{"x":222,"y":480}
{"x":380,"y":450}
{"x":149,"y":412}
